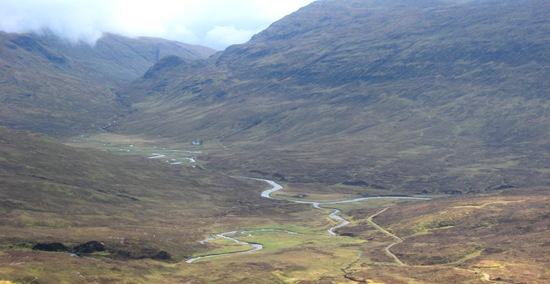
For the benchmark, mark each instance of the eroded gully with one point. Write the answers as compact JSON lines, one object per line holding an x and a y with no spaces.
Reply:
{"x":334,"y":215}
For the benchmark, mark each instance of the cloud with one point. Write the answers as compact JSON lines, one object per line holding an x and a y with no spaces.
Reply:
{"x":62,"y":17}
{"x":215,"y":23}
{"x":228,"y":35}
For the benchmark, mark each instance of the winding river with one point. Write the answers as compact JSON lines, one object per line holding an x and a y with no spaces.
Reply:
{"x":227,"y":236}
{"x":267,"y":194}
{"x":335,"y":214}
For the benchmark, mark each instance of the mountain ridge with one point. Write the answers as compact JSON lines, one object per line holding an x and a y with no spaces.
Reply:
{"x":342,"y":101}
{"x":60,"y":88}
{"x":438,"y":86}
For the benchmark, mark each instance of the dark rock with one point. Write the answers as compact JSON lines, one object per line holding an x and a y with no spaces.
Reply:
{"x":90,"y":247}
{"x":123,"y":254}
{"x":162,"y":255}
{"x":50,"y":247}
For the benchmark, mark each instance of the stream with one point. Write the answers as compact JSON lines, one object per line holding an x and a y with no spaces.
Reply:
{"x":316,"y":204}
{"x":227,"y":236}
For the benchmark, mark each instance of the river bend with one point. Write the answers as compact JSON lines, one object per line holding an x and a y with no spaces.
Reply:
{"x":334,"y":215}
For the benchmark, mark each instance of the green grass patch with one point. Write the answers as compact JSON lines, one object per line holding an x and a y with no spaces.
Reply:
{"x":162,"y":150}
{"x":223,"y":246}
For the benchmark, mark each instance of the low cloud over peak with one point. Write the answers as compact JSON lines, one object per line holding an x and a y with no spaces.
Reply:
{"x":214,"y":23}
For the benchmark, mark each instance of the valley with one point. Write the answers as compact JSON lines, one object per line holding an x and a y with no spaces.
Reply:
{"x":352,"y":141}
{"x":331,"y":231}
{"x":290,"y":234}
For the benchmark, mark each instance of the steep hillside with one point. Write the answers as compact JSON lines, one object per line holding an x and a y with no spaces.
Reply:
{"x":416,"y":96}
{"x":50,"y":192}
{"x":115,"y":58}
{"x":60,"y":88}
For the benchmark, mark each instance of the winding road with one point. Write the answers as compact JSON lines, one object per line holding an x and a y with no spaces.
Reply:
{"x":398,"y":240}
{"x":334,"y":216}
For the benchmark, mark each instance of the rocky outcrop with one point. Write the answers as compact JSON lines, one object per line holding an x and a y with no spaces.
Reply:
{"x":90,"y":247}
{"x":50,"y":247}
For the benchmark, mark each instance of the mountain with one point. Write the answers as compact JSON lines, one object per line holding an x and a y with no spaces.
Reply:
{"x":369,"y":96}
{"x":53,"y":86}
{"x":342,"y":100}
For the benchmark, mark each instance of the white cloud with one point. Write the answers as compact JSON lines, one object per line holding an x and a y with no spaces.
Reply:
{"x":216,"y":23}
{"x":228,"y":35}
{"x":62,"y":17}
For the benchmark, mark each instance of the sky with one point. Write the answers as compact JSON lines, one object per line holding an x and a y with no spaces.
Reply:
{"x":213,"y":23}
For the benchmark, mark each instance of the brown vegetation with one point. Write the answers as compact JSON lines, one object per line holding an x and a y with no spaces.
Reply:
{"x":428,"y":97}
{"x":500,"y":235}
{"x":344,"y":99}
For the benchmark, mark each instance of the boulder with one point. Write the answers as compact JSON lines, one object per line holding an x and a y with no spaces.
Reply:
{"x":162,"y":255}
{"x":50,"y":247}
{"x":90,"y":247}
